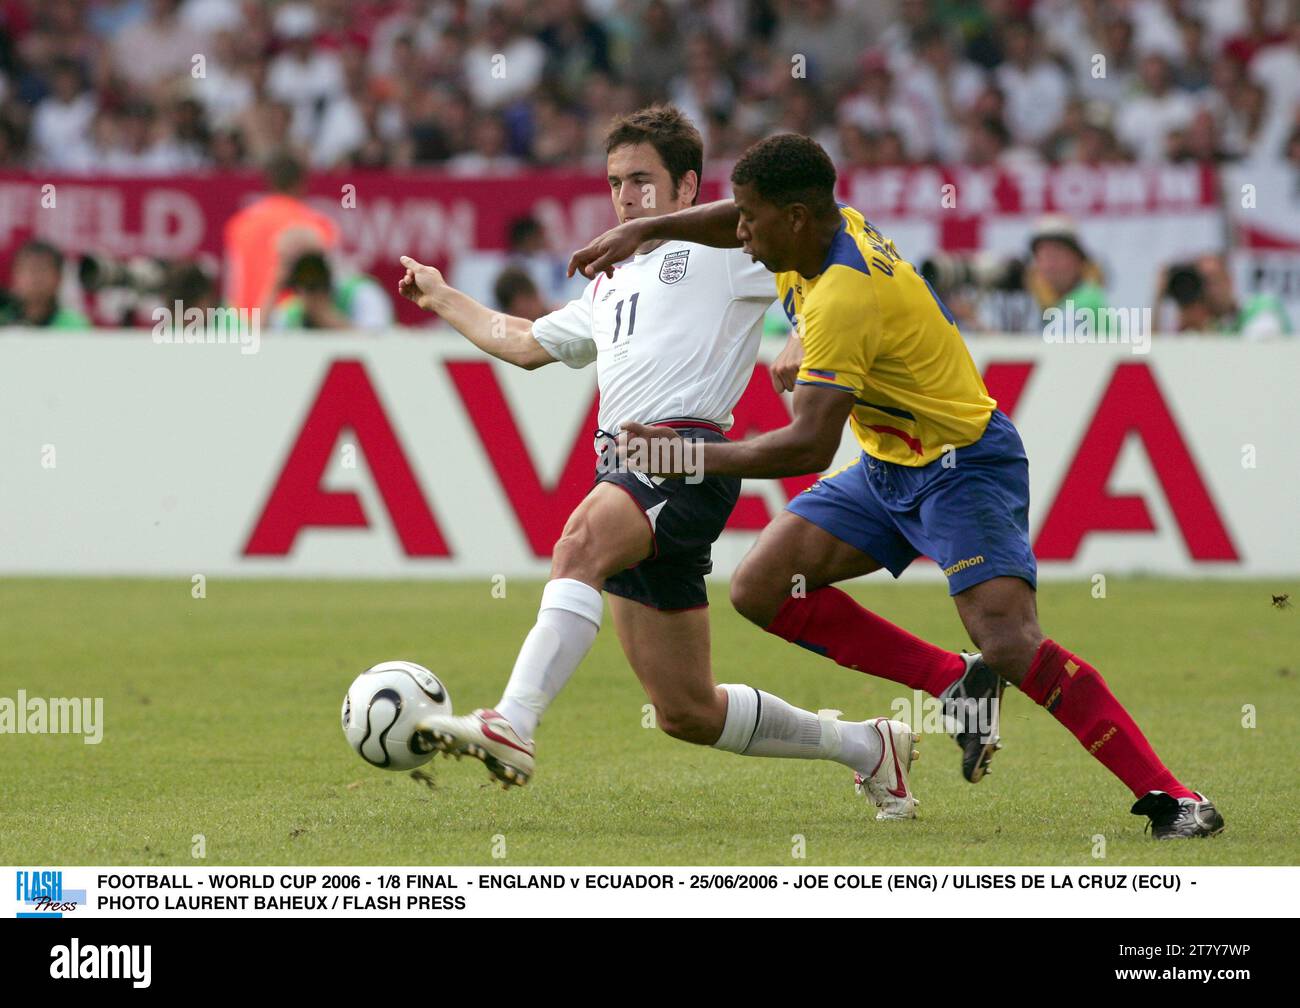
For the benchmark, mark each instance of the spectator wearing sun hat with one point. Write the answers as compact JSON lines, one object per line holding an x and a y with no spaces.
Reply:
{"x":1062,"y":275}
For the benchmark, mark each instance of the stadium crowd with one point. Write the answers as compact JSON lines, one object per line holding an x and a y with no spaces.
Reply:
{"x":155,"y":87}
{"x":474,"y":86}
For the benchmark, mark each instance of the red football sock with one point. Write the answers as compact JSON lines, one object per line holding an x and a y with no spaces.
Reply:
{"x":1076,"y":695}
{"x":830,"y":623}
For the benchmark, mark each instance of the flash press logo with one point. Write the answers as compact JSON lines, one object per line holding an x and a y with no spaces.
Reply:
{"x":43,"y":893}
{"x":75,"y":961}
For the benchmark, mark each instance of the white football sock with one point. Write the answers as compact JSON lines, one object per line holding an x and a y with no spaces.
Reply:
{"x":760,"y":724}
{"x":566,"y":628}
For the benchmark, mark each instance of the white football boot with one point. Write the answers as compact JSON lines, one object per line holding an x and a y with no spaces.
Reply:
{"x":887,"y":786}
{"x":488,"y":737}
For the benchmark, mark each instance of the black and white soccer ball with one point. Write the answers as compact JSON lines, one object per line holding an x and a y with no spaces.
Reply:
{"x":382,"y":708}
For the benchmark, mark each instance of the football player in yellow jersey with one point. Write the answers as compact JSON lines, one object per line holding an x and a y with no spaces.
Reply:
{"x":942,"y":474}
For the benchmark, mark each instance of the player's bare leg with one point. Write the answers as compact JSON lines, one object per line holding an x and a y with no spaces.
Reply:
{"x":605,"y":534}
{"x":1001,"y":616}
{"x":670,"y":653}
{"x":793,"y":553}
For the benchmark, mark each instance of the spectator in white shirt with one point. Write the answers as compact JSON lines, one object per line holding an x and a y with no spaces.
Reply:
{"x":226,"y":88}
{"x":878,"y":107}
{"x":212,"y":15}
{"x":828,"y":38}
{"x":703,"y":88}
{"x":502,"y":65}
{"x":1155,"y":25}
{"x":157,"y":50}
{"x":1036,"y":89}
{"x":1276,"y":68}
{"x":1146,"y":119}
{"x":61,"y":123}
{"x":145,"y":146}
{"x":304,"y":76}
{"x":944,"y":86}
{"x":343,"y":128}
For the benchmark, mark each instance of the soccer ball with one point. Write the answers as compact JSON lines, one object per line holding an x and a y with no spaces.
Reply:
{"x":383,"y":706}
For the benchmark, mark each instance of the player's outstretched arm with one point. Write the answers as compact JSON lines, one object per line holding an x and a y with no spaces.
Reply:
{"x":711,"y":224}
{"x":506,"y":337}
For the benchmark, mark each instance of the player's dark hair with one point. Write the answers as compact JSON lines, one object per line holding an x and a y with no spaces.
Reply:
{"x":789,"y":168}
{"x":667,"y":129}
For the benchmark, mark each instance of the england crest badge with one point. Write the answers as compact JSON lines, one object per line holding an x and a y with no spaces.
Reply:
{"x":673,"y":267}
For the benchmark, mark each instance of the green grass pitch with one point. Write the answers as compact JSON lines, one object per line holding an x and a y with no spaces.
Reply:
{"x":222,"y":719}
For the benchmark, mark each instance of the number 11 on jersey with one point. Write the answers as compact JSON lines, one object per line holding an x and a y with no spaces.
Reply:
{"x":631,"y":316}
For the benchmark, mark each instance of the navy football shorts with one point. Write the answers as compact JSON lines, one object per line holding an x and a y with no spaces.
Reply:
{"x":685,"y":520}
{"x":971,"y":516}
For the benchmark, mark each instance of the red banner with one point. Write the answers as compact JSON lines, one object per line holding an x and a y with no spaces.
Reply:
{"x":435,"y":217}
{"x":381,"y":215}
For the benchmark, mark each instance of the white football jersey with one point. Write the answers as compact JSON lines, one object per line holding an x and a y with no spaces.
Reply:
{"x":674,"y":333}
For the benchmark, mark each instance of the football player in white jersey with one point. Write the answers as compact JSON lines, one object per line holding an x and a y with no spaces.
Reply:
{"x":674,"y":335}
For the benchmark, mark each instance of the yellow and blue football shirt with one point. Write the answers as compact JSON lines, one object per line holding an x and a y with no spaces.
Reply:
{"x":874,"y":327}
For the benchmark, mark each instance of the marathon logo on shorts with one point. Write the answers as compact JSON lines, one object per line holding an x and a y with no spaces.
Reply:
{"x":673,"y":267}
{"x":961,"y":565}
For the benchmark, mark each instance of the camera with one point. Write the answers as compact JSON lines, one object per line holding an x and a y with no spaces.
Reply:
{"x":986,"y":271}
{"x":138,"y":274}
